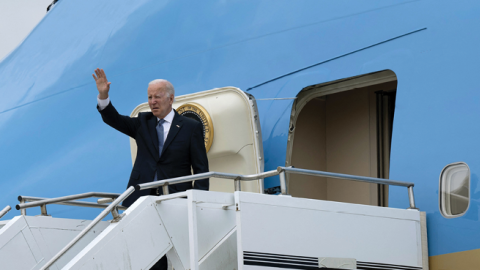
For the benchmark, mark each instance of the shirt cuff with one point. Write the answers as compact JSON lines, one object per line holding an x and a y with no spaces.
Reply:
{"x":102,"y":103}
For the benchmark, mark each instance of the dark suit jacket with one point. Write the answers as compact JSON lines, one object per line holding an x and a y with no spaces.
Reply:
{"x":183,"y":150}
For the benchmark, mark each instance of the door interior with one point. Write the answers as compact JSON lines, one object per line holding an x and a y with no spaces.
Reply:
{"x":343,"y":127}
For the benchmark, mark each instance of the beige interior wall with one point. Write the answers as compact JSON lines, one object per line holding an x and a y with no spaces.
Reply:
{"x":349,"y":146}
{"x":337,"y":133}
{"x":310,"y":151}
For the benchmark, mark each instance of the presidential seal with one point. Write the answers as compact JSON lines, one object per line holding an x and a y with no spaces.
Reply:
{"x":197,"y":112}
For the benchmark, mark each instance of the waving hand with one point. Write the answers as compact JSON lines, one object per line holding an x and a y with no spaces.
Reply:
{"x":103,"y":85}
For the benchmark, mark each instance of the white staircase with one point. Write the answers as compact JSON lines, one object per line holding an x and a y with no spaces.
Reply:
{"x":206,"y":230}
{"x":29,"y":242}
{"x":213,"y":230}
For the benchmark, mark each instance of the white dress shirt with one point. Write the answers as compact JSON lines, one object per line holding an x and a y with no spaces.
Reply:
{"x":102,"y":103}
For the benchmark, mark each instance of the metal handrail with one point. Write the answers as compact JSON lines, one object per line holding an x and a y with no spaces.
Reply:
{"x":346,"y":177}
{"x":65,"y":200}
{"x":5,"y":211}
{"x":71,"y":203}
{"x":237,"y":177}
{"x":373,"y":180}
{"x":283,"y":185}
{"x":189,"y":178}
{"x":92,"y":224}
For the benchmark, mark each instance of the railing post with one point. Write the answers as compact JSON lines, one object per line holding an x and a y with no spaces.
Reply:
{"x":116,"y":216}
{"x":165,"y":189}
{"x":411,"y":198}
{"x":23,"y":211}
{"x":43,"y":209}
{"x":192,"y":231}
{"x":283,"y":183}
{"x":238,"y":184}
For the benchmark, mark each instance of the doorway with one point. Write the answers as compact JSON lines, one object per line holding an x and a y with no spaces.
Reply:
{"x":344,"y":127}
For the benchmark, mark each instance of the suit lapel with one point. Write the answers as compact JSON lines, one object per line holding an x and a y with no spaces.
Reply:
{"x":174,"y":128}
{"x":152,"y":124}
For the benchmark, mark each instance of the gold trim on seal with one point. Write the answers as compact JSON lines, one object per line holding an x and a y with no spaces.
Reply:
{"x":202,"y":114}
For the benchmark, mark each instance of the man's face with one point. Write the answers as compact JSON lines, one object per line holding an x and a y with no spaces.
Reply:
{"x":159,"y":100}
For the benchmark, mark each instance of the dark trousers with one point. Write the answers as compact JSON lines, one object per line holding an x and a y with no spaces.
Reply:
{"x":162,"y":264}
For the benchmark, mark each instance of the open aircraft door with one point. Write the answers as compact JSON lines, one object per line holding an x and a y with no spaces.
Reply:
{"x":232,"y":133}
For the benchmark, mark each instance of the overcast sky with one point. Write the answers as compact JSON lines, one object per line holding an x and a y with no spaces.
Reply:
{"x":17,"y":19}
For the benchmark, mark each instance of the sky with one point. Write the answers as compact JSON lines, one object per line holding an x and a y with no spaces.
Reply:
{"x":17,"y":19}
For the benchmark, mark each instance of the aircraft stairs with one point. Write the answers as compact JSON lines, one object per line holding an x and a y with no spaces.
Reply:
{"x":213,"y":230}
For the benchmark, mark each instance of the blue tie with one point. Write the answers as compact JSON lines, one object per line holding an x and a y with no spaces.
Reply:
{"x":160,"y":135}
{"x":160,"y":142}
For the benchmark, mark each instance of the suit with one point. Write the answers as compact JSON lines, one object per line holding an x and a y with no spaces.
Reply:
{"x":183,"y":150}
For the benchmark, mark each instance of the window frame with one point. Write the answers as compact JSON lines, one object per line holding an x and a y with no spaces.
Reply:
{"x":440,"y":189}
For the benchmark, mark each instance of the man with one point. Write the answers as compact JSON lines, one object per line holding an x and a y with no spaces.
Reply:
{"x":168,"y":144}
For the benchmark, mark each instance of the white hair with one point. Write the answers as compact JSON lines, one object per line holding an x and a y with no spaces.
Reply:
{"x":167,"y":86}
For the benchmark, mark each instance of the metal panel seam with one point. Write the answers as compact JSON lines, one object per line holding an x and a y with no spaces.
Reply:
{"x":338,"y":57}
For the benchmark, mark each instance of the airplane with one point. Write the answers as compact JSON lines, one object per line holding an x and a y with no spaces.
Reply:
{"x":383,"y":89}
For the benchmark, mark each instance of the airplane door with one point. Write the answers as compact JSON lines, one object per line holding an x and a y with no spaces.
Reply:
{"x":232,"y":133}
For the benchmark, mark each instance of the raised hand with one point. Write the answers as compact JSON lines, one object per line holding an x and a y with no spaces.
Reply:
{"x":103,"y":85}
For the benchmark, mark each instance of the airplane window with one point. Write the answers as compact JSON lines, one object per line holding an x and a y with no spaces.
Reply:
{"x":454,"y":190}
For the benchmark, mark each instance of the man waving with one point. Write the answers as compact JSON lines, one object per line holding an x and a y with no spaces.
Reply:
{"x":169,"y":145}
